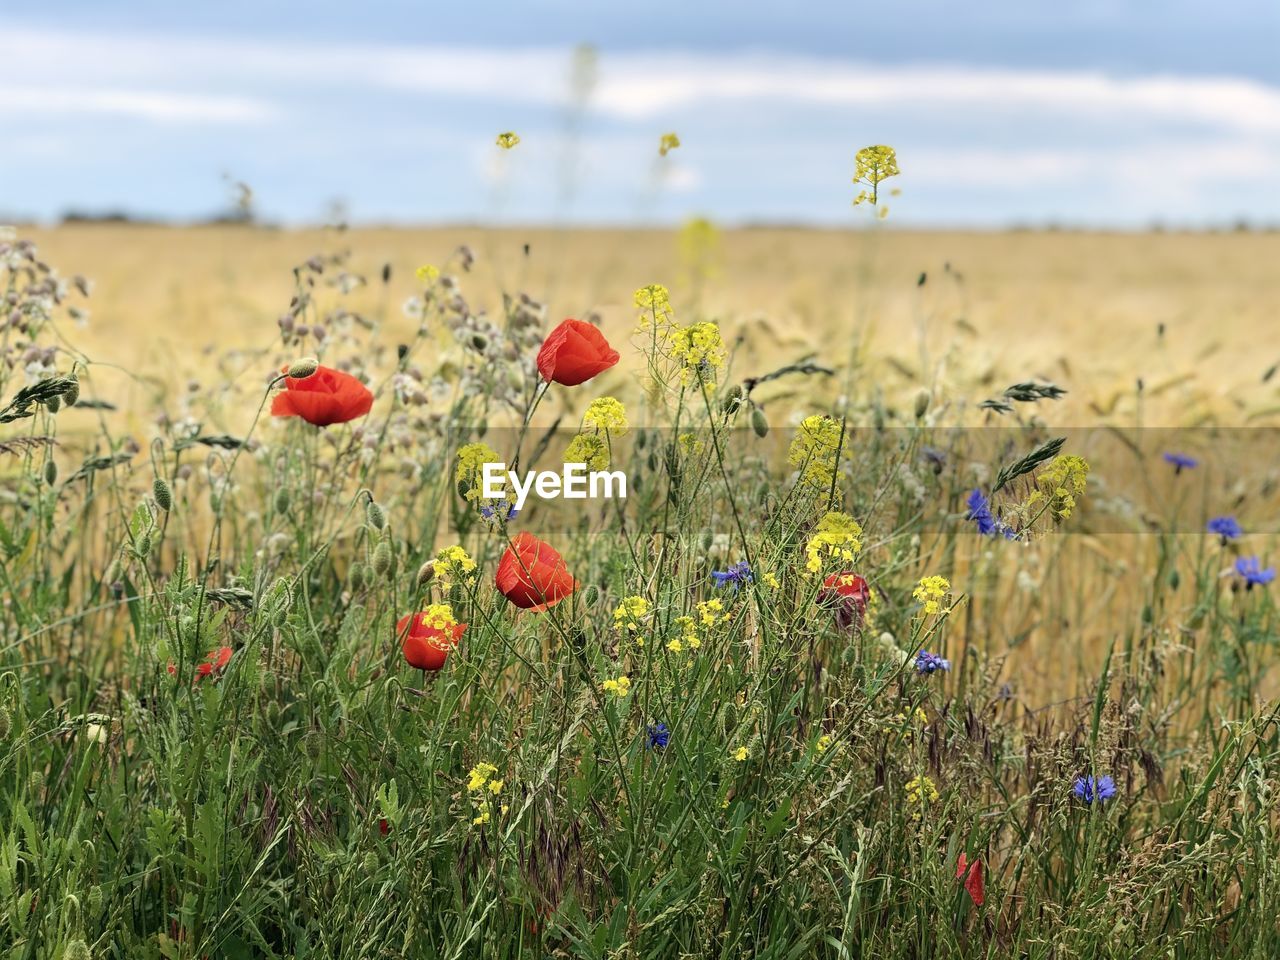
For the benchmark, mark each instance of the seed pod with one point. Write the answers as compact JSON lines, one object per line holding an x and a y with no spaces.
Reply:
{"x":759,"y":422}
{"x":282,"y":500}
{"x":50,"y":473}
{"x":376,"y":515}
{"x":53,"y":404}
{"x":301,"y":369}
{"x":163,"y":493}
{"x":426,"y":573}
{"x":382,"y":559}
{"x":922,"y":403}
{"x":72,"y":394}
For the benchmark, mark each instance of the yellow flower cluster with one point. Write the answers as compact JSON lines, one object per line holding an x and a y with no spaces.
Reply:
{"x":427,"y":273}
{"x":482,"y":785}
{"x":619,"y":687}
{"x":741,"y":754}
{"x":824,"y":743}
{"x":630,"y":613}
{"x":454,"y":565}
{"x":654,"y":298}
{"x":438,"y":616}
{"x":872,"y":166}
{"x":700,"y":350}
{"x":711,"y":612}
{"x":688,"y":635}
{"x":508,"y":139}
{"x":815,"y":450}
{"x":1060,"y":483}
{"x":668,"y":143}
{"x":921,"y":791}
{"x":589,"y":449}
{"x":470,"y":469}
{"x":837,"y":536}
{"x":606,"y":413}
{"x":931,"y":591}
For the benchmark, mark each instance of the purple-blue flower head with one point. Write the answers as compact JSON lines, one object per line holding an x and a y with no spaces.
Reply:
{"x":1254,"y":574}
{"x":737,"y":575}
{"x":980,"y":513}
{"x":659,"y":736}
{"x":1093,"y":789}
{"x":927,"y":662}
{"x":1225,"y":527}
{"x":1181,"y":461}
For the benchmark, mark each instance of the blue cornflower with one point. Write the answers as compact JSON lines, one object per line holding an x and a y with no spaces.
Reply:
{"x":927,"y":662}
{"x":1225,"y":527}
{"x":1093,"y":789}
{"x":659,"y":736}
{"x":494,"y":514}
{"x":737,"y":575}
{"x":1254,"y":575}
{"x":980,"y":513}
{"x":1181,"y":462}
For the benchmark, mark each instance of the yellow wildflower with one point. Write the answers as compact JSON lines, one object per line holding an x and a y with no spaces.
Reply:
{"x":606,"y":413}
{"x":815,"y":450}
{"x":837,"y":536}
{"x":508,"y":139}
{"x":741,"y":754}
{"x":469,"y":473}
{"x":427,"y":272}
{"x":930,"y":591}
{"x":454,"y":565}
{"x":588,"y":449}
{"x":824,"y":743}
{"x":770,"y":580}
{"x":921,"y":791}
{"x":872,"y":166}
{"x":700,"y":350}
{"x":630,"y":613}
{"x":1061,"y":482}
{"x":712,"y":612}
{"x":668,"y":143}
{"x":481,"y":773}
{"x":688,"y":632}
{"x":619,"y":687}
{"x":438,"y":616}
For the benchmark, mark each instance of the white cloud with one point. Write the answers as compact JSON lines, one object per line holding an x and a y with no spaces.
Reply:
{"x":158,"y":106}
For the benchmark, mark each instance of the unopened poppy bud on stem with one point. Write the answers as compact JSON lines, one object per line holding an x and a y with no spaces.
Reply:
{"x":922,"y":403}
{"x":376,"y":515}
{"x":382,"y":558}
{"x":426,"y":573}
{"x":72,"y":394}
{"x":163,"y":493}
{"x":301,"y":369}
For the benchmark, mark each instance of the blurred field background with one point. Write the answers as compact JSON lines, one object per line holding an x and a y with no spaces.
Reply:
{"x":1191,"y":314}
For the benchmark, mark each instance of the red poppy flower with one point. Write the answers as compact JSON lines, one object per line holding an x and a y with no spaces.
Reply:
{"x":327,"y":396}
{"x":573,"y":353}
{"x":532,"y":575}
{"x":973,"y":883}
{"x":215,"y":662}
{"x":383,"y":827}
{"x":848,"y":593}
{"x":427,"y":640}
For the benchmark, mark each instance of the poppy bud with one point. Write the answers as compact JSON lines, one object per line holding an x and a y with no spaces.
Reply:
{"x":163,"y":493}
{"x":53,"y":404}
{"x":358,"y":580}
{"x":732,"y":398}
{"x":143,"y":546}
{"x":282,"y":500}
{"x":376,"y":515}
{"x":922,"y":403}
{"x":50,"y":473}
{"x":301,"y":369}
{"x":426,"y":573}
{"x":759,"y":422}
{"x":72,"y":394}
{"x":382,"y":558}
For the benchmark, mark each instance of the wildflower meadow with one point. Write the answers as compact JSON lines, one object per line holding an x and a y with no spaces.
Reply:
{"x":320,"y":655}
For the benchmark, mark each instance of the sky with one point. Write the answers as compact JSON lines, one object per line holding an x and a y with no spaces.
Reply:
{"x":1005,"y":112}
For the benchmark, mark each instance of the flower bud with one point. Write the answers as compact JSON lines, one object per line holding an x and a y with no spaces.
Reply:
{"x":759,"y":422}
{"x":50,"y":473}
{"x":53,"y":404}
{"x":282,"y":500}
{"x":72,"y":394}
{"x":163,"y":493}
{"x":426,"y":573}
{"x":301,"y":369}
{"x":376,"y":515}
{"x":922,"y":403}
{"x":382,"y":559}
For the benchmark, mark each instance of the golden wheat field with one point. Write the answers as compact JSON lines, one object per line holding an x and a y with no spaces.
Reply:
{"x":1193,"y":315}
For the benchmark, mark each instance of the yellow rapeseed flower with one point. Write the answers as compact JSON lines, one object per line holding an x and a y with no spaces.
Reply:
{"x":619,"y":687}
{"x":508,"y":139}
{"x":700,"y":350}
{"x":454,"y":565}
{"x":630,"y":613}
{"x":589,"y":449}
{"x":469,"y":473}
{"x":838,"y":536}
{"x":606,"y":413}
{"x":930,"y":591}
{"x":872,"y":166}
